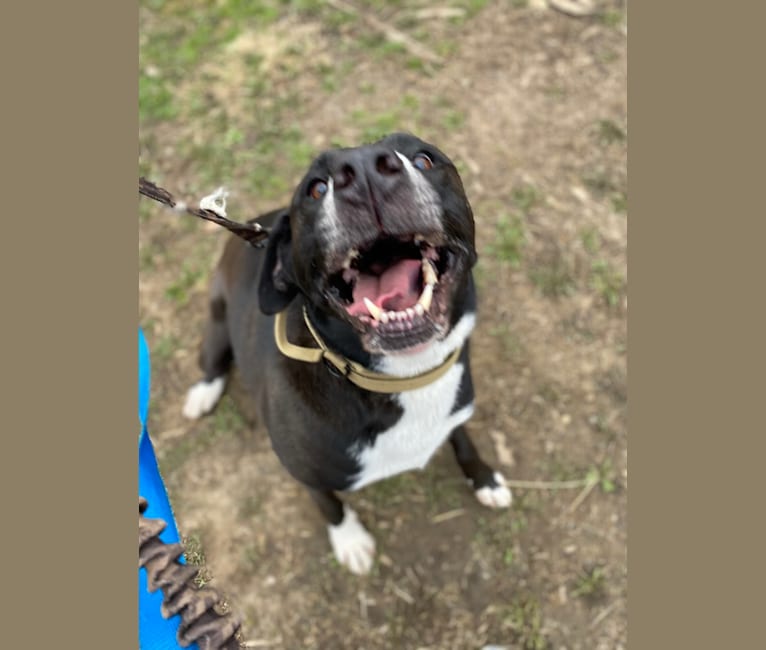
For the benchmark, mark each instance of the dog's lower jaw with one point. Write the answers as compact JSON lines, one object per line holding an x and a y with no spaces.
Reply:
{"x":352,"y":545}
{"x":434,"y":353}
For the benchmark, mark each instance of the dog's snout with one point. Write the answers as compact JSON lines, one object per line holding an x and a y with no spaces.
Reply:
{"x":365,"y":169}
{"x":344,"y":176}
{"x":387,"y":163}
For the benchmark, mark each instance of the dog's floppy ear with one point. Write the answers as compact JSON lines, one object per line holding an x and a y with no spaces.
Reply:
{"x":276,"y":287}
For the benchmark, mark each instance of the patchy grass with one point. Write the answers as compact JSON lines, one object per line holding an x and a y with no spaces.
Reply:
{"x":194,"y":554}
{"x":591,"y":240}
{"x":526,"y":197}
{"x":453,"y":120}
{"x":496,"y":536}
{"x":599,"y":183}
{"x":607,"y":282}
{"x":611,"y":18}
{"x":590,"y":584}
{"x":620,"y":202}
{"x":554,"y":279}
{"x":394,"y":490}
{"x":227,"y":417}
{"x":165,"y":348}
{"x":599,"y":425}
{"x":525,"y":619}
{"x":511,"y":344}
{"x":254,"y":555}
{"x":608,"y":132}
{"x":556,"y":469}
{"x":226,"y":420}
{"x":155,"y":99}
{"x":147,"y":257}
{"x":549,"y":392}
{"x":372,"y":126}
{"x":250,"y":507}
{"x":473,"y":7}
{"x":603,"y":475}
{"x":188,"y":278}
{"x":509,"y":240}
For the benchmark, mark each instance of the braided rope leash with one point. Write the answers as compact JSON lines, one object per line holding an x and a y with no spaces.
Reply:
{"x":212,"y":208}
{"x":200,"y":622}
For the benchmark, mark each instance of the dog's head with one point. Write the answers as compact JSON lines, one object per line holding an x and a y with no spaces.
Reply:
{"x":380,"y":237}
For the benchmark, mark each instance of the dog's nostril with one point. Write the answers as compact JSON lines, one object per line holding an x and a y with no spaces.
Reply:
{"x":344,"y":177}
{"x":388,"y":163}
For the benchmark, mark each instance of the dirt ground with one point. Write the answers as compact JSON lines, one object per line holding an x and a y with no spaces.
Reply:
{"x":531,"y":104}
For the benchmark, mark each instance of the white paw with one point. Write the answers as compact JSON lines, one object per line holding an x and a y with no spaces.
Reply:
{"x":353,"y":546}
{"x":202,"y":397}
{"x":495,"y":497}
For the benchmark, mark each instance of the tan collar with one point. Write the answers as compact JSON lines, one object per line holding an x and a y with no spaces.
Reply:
{"x":356,"y":373}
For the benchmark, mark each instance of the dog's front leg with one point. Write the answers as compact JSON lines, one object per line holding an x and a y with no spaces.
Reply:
{"x":353,"y":546}
{"x":488,"y":484}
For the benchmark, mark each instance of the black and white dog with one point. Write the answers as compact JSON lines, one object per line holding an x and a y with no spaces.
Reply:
{"x":372,"y":262}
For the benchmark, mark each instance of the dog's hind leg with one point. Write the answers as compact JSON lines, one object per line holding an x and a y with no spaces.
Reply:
{"x":352,"y":545}
{"x":214,"y":359}
{"x":488,"y":484}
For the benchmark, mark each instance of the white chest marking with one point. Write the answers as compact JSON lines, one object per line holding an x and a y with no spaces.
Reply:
{"x":426,"y":421}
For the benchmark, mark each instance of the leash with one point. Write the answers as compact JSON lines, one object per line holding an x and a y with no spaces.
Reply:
{"x":356,"y":373}
{"x":212,"y":208}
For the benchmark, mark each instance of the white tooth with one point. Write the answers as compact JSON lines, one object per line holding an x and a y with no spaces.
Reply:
{"x":429,"y":275}
{"x":425,"y":297}
{"x":373,"y":308}
{"x":419,"y":309}
{"x":410,"y":312}
{"x":383,"y":317}
{"x":392,"y":315}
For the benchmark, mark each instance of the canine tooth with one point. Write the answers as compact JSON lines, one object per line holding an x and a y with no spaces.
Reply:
{"x":419,"y":309}
{"x":374,"y":310}
{"x":429,"y":275}
{"x":425,"y":297}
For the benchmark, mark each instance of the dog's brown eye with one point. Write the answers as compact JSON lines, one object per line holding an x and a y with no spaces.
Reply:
{"x":422,"y":162}
{"x":317,"y":189}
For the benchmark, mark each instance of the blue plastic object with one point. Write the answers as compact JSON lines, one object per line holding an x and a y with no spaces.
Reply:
{"x":154,"y":631}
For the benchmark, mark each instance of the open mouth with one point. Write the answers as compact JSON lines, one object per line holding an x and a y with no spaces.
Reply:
{"x":395,"y":289}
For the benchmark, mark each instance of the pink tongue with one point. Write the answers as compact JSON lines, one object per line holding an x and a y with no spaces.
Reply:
{"x":394,"y":290}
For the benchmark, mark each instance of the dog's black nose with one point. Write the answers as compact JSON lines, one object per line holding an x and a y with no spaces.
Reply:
{"x":387,"y":163}
{"x":356,"y":170}
{"x":344,"y":175}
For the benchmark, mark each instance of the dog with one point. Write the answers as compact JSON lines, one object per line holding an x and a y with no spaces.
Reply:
{"x":351,"y":328}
